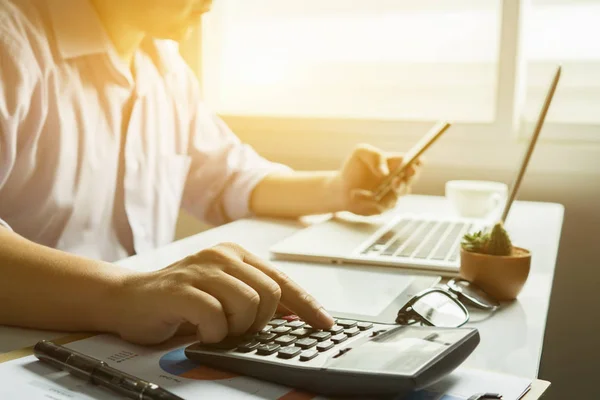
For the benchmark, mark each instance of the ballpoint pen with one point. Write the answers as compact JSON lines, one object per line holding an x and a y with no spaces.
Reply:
{"x":99,"y":373}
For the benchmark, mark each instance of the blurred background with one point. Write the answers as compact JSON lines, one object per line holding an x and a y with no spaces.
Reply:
{"x":304,"y":82}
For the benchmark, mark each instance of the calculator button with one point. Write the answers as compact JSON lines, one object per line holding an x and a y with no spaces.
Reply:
{"x":266,"y":337}
{"x":295,"y":324}
{"x":364,"y":326}
{"x":291,"y":318}
{"x":336,"y":329}
{"x":321,"y":336}
{"x":289,"y":352}
{"x":326,"y":345}
{"x":248,"y":346}
{"x":352,"y":331}
{"x":266,"y":329}
{"x":306,"y":343}
{"x":301,"y":332}
{"x":308,"y":355}
{"x":339,"y":338}
{"x":346,"y":323}
{"x":286,"y":340}
{"x":267,"y":349}
{"x":277,"y":322}
{"x":281,"y":330}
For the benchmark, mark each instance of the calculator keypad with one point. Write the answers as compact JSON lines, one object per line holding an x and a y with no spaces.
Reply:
{"x":288,"y":337}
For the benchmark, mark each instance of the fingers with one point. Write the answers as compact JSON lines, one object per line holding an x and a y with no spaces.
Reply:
{"x":373,"y":159}
{"x":240,"y":301}
{"x":293,"y":297}
{"x":283,"y":310}
{"x":394,"y":162}
{"x":408,"y":175}
{"x":186,"y":329}
{"x":268,"y":291}
{"x":205,"y":312}
{"x":236,"y":292}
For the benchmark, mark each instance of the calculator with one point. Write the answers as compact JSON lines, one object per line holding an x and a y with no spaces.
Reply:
{"x":353,"y":358}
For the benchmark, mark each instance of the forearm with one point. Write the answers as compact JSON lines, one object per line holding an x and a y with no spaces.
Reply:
{"x":297,"y":193}
{"x":49,"y":289}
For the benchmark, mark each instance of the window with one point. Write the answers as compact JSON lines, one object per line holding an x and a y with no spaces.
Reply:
{"x":386,"y":67}
{"x":384,"y":59}
{"x":565,"y":32}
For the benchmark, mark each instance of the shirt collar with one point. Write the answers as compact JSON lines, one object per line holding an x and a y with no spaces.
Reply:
{"x":77,"y":29}
{"x":79,"y":32}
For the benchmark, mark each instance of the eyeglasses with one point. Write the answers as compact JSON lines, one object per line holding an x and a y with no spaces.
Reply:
{"x":472,"y":295}
{"x":434,"y":307}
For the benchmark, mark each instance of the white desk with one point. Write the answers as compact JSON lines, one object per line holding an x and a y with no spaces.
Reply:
{"x":511,"y":341}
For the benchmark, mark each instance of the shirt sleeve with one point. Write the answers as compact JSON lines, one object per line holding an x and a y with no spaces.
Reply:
{"x":224,"y":171}
{"x":19,"y":90}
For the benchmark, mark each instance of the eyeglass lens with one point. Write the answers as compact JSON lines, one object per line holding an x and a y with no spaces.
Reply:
{"x":440,"y":310}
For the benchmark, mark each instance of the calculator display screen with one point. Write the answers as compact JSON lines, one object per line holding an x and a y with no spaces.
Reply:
{"x":404,"y":350}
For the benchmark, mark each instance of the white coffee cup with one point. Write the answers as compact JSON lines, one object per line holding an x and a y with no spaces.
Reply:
{"x":476,"y":199}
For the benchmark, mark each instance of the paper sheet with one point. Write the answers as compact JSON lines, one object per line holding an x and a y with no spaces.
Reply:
{"x":27,"y":378}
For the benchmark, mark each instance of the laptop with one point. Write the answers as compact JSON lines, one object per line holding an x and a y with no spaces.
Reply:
{"x":408,"y":241}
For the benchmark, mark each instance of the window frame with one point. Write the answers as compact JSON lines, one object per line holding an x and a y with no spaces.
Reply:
{"x":467,"y":143}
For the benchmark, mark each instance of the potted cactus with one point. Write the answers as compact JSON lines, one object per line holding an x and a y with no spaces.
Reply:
{"x":490,"y":261}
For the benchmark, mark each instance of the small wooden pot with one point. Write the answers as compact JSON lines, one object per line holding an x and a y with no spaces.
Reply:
{"x":502,"y":277}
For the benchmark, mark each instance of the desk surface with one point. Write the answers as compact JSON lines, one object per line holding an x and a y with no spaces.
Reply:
{"x":511,"y":340}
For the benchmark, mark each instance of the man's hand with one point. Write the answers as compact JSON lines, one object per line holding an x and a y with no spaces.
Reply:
{"x":361,"y":175}
{"x":222,"y":291}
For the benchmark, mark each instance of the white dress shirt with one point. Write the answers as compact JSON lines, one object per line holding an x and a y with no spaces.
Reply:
{"x":67,"y":101}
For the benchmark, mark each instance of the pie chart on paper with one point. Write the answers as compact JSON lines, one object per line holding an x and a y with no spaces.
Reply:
{"x":176,"y":363}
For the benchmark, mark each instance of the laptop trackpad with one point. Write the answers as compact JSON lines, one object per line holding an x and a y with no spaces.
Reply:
{"x":343,"y":237}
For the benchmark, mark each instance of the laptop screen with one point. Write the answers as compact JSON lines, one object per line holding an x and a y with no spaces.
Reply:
{"x":532,"y":142}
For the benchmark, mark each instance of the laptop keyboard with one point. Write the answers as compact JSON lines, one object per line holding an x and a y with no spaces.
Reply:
{"x":421,"y":239}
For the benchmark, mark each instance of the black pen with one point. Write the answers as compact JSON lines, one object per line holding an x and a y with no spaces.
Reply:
{"x":99,"y":373}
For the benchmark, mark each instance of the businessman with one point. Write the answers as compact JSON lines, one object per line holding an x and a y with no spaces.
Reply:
{"x":103,"y":137}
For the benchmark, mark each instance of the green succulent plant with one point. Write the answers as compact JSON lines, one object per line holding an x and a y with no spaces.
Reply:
{"x":497,"y":242}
